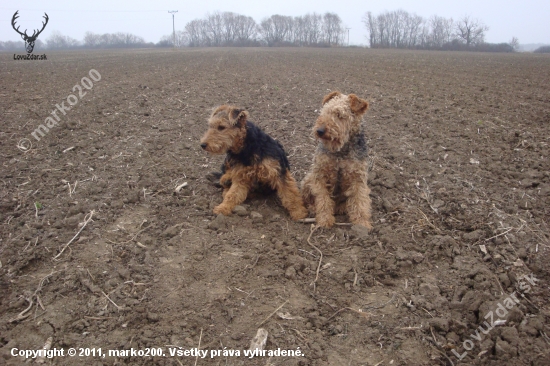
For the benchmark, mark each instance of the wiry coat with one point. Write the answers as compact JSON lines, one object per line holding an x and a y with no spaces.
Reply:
{"x":252,"y":158}
{"x":337,"y":180}
{"x":257,"y":146}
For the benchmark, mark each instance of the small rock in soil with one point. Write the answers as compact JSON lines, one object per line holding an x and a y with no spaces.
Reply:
{"x":256,"y":217}
{"x":219,"y":223}
{"x":240,"y":210}
{"x":171,"y":231}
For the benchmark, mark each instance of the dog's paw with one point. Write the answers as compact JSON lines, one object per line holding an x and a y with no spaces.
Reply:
{"x":326,"y":221}
{"x":299,"y":214}
{"x":222,"y":209}
{"x":365,"y":223}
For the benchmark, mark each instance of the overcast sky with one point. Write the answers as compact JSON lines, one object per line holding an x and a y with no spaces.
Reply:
{"x":528,"y":20}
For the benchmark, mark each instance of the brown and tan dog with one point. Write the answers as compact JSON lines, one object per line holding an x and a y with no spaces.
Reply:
{"x":252,"y":158}
{"x":337,"y":180}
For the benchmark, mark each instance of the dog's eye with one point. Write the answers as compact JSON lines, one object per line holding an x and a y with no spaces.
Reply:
{"x":221,"y":128}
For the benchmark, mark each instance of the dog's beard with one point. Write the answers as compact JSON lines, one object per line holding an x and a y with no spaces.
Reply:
{"x":332,"y":144}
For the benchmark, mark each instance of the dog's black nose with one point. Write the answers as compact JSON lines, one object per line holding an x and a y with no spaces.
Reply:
{"x":320,"y":132}
{"x":203,"y":145}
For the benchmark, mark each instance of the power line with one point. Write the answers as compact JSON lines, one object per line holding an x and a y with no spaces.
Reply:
{"x":85,"y":10}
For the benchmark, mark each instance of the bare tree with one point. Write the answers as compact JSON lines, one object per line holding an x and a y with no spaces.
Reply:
{"x":395,"y":27}
{"x":298,"y":31}
{"x":206,"y":36}
{"x":514,"y":42}
{"x":332,"y":29}
{"x":276,"y":29}
{"x":166,"y":41}
{"x":471,"y":31}
{"x":424,"y":39}
{"x":193,"y":30}
{"x":182,"y":39}
{"x":214,"y":27}
{"x":246,"y":29}
{"x":229,"y":24}
{"x":105,"y":40}
{"x":413,"y":26}
{"x":370,"y":22}
{"x":313,"y":25}
{"x":59,"y":41}
{"x":448,"y":29}
{"x":267,"y":30}
{"x":399,"y":29}
{"x":131,"y":40}
{"x":91,"y":40}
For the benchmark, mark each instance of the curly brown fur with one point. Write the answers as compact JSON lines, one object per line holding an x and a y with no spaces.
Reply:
{"x":337,"y":180}
{"x":252,"y":158}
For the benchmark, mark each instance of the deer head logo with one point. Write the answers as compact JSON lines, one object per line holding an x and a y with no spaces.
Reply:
{"x":29,"y":40}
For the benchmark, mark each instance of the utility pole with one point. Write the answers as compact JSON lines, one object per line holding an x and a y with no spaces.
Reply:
{"x":174,"y":24}
{"x":348,"y":35}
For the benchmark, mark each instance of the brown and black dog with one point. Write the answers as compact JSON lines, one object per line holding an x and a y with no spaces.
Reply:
{"x":252,"y":158}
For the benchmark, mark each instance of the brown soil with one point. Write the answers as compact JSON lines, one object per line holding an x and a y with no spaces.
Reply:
{"x":460,"y":181}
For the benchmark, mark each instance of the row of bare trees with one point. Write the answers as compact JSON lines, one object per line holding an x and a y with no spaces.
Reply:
{"x":400,"y":29}
{"x":55,"y":41}
{"x":307,"y":30}
{"x":219,"y":29}
{"x":113,"y":40}
{"x":58,"y":41}
{"x":230,"y":29}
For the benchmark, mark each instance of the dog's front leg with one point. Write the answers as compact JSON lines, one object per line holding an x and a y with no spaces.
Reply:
{"x":324,"y":204}
{"x":225,"y":182}
{"x":357,"y":192}
{"x":235,"y":195}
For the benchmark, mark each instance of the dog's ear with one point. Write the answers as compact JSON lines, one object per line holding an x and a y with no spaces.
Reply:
{"x":238,"y":117}
{"x":219,"y":109}
{"x":358,"y":106}
{"x":330,"y":96}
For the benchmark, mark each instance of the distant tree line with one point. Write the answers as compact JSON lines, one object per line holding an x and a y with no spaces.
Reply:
{"x":113,"y":40}
{"x":400,"y":29}
{"x":230,"y":29}
{"x":542,"y":49}
{"x":391,"y":29}
{"x":217,"y":29}
{"x":19,"y":45}
{"x":58,"y":41}
{"x":220,"y":29}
